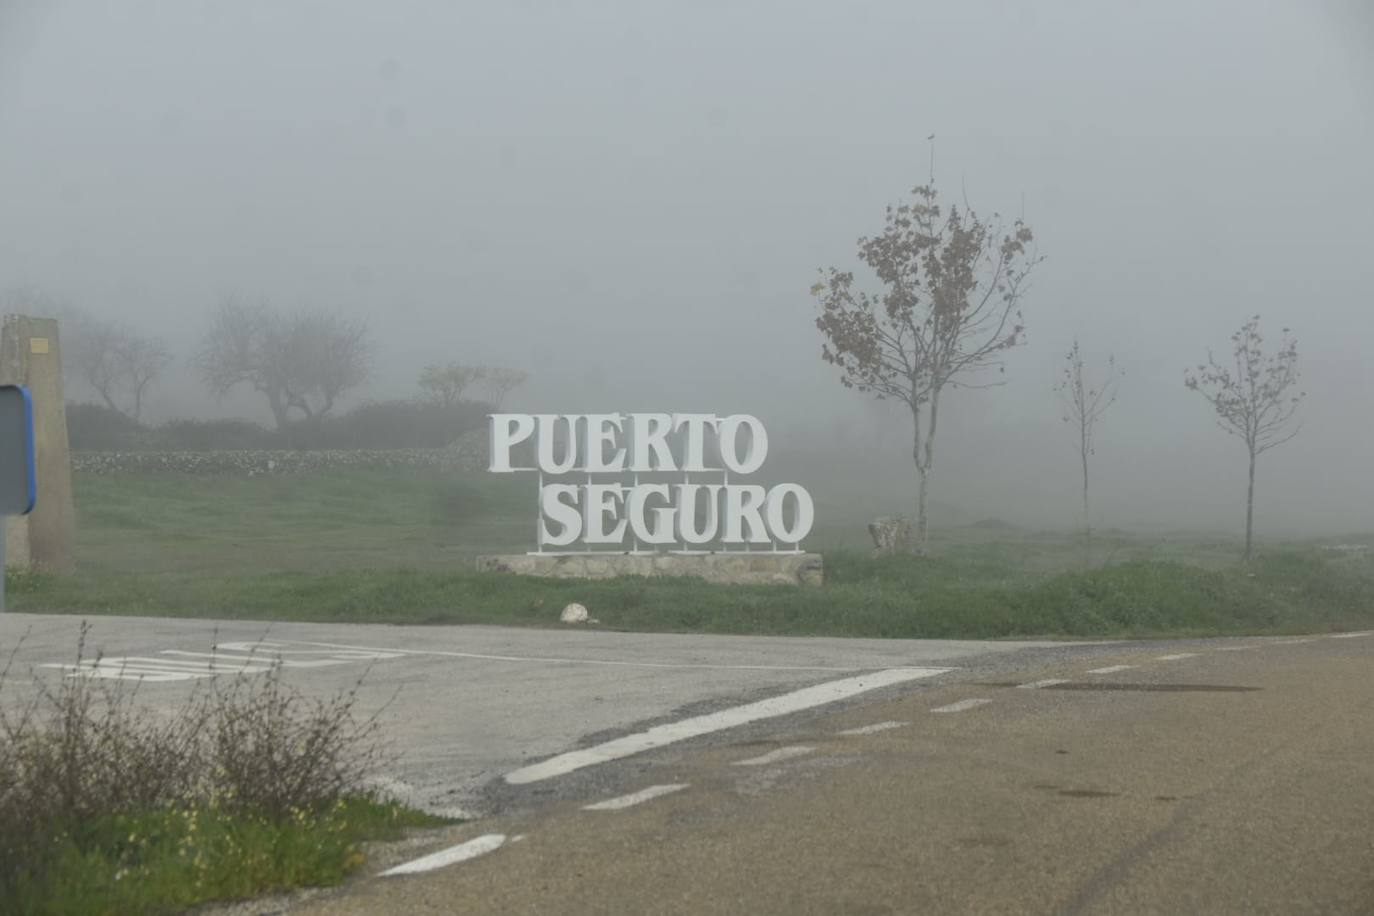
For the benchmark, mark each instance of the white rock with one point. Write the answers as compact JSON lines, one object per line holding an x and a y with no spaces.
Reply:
{"x":574,"y":613}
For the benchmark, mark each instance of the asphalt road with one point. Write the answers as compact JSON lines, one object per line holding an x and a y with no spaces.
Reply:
{"x":1227,"y":776}
{"x":462,"y":706}
{"x":627,"y":773}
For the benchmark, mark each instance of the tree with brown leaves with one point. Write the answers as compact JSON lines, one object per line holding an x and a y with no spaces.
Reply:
{"x":953,"y":284}
{"x":1253,"y":398}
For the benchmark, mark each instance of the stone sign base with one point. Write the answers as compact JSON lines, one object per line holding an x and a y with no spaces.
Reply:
{"x":724,"y":568}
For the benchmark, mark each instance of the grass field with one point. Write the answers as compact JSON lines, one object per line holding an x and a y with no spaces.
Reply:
{"x":378,"y":547}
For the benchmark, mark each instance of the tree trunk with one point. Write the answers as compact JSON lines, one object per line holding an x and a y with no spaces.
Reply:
{"x":920,"y":472}
{"x":1250,"y":509}
{"x":1087,"y":516}
{"x":924,"y":453}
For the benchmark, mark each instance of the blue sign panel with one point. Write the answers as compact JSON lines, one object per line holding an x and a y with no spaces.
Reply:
{"x":18,"y":479}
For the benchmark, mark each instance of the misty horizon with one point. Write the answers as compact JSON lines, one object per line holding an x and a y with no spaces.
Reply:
{"x":630,"y":204}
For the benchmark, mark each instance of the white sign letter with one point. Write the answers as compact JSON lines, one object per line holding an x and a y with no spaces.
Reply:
{"x":552,"y":506}
{"x":603,"y":428}
{"x":507,"y":430}
{"x":602,"y":499}
{"x":729,"y":450}
{"x":803,"y":517}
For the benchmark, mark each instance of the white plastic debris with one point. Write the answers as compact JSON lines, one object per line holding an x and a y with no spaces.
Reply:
{"x":574,"y":613}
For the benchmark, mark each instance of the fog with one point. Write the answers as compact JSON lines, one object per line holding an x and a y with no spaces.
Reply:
{"x":630,"y":201}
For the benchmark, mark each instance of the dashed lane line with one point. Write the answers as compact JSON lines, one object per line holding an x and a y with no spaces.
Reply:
{"x":1294,"y":642}
{"x":672,"y":732}
{"x":486,"y":843}
{"x":1047,"y":682}
{"x":1235,"y":648}
{"x":1175,"y":657}
{"x":635,"y":798}
{"x":781,"y":754}
{"x":875,"y":727}
{"x":962,"y":705}
{"x":1111,"y":669}
{"x":1349,"y":635}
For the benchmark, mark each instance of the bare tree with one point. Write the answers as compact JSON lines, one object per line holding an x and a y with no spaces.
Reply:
{"x":444,"y":385}
{"x":112,"y":360}
{"x":500,"y":382}
{"x":1253,"y":399}
{"x":953,"y":286}
{"x":1085,"y":401}
{"x":303,"y":361}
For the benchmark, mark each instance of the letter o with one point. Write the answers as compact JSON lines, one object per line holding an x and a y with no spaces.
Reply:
{"x":802,"y":520}
{"x":729,"y":449}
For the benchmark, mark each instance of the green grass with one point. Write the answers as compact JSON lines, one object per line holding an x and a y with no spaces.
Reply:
{"x":165,"y":861}
{"x":398,"y":548}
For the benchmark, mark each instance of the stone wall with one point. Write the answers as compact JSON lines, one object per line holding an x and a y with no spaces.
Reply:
{"x":724,"y":568}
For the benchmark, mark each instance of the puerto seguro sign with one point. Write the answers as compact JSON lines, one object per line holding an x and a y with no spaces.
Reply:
{"x":651,"y":482}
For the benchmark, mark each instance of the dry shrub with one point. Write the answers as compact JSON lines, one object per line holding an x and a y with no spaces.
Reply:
{"x":85,"y":750}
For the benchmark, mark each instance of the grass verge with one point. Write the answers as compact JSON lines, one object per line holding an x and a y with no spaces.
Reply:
{"x":967,"y":596}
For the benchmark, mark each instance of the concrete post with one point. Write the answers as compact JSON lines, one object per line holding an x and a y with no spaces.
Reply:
{"x":31,"y":355}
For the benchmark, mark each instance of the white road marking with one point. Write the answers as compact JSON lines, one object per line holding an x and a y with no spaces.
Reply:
{"x":961,"y":705}
{"x":260,"y":659}
{"x":1175,"y":657}
{"x":1349,"y":635}
{"x":634,"y":798}
{"x":451,"y":856}
{"x":1111,"y":669}
{"x":1047,"y":682}
{"x":875,"y":727}
{"x":611,"y":662}
{"x":1294,"y":642}
{"x":661,"y":735}
{"x":1235,"y":648}
{"x":180,"y":665}
{"x":781,"y":754}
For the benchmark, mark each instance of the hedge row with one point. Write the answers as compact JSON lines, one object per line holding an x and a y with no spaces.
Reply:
{"x":252,"y":463}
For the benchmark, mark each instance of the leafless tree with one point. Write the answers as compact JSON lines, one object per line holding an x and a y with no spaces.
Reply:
{"x":303,"y":361}
{"x":110,"y":359}
{"x":1085,"y":401}
{"x":498,"y":382}
{"x":1253,"y":398}
{"x":951,"y":304}
{"x":444,"y":385}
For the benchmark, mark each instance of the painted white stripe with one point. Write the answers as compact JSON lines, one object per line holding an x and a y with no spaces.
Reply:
{"x":1294,"y":642}
{"x":781,"y":754}
{"x":661,"y":735}
{"x":1110,"y":669}
{"x":1350,"y":635}
{"x":602,"y":661}
{"x":634,"y":798}
{"x":1047,"y":682}
{"x":1235,"y":648}
{"x":961,"y":705}
{"x":121,"y":673}
{"x":1175,"y":657}
{"x":875,"y":727}
{"x":261,"y":659}
{"x":172,"y":664}
{"x":451,"y":856}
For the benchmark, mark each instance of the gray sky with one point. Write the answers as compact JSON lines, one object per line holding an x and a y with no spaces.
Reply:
{"x":631,"y":199}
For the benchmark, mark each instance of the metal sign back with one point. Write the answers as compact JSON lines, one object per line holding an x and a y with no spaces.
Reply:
{"x":18,"y":477}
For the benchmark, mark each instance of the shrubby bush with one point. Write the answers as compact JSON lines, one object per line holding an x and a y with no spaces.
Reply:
{"x":212,"y":435}
{"x":81,"y":756}
{"x":387,"y":425}
{"x":95,"y":427}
